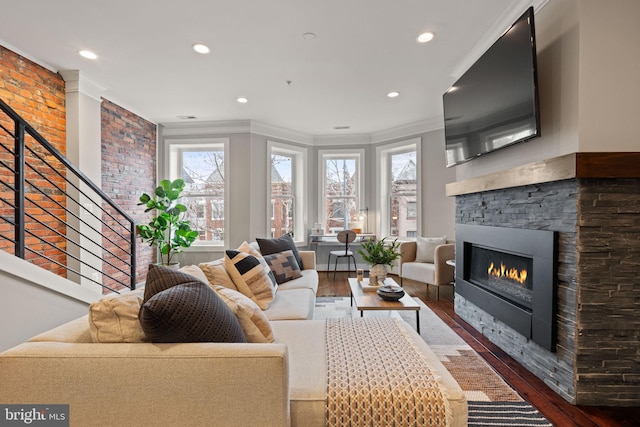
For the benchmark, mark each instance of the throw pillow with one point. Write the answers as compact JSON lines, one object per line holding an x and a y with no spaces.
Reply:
{"x":254,"y":322}
{"x":248,"y":249}
{"x":284,"y":266}
{"x":217,"y":274}
{"x":281,"y":244}
{"x":195,"y":271}
{"x":179,"y":308}
{"x":426,"y":248}
{"x":252,"y":277}
{"x":114,"y":319}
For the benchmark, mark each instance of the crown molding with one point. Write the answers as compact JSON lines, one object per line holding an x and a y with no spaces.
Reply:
{"x":272,"y":131}
{"x":25,"y":55}
{"x":74,"y":82}
{"x":342,"y":139}
{"x":206,"y":128}
{"x":409,"y":129}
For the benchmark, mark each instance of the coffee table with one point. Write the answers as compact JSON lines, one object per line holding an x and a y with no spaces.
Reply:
{"x":369,"y":300}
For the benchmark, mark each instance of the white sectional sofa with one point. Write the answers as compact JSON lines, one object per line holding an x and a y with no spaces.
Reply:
{"x":281,"y":383}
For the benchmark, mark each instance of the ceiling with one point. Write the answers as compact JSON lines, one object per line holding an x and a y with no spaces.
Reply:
{"x":363,"y":49}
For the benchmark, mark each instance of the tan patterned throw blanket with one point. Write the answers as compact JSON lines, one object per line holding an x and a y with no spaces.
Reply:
{"x":376,"y":377}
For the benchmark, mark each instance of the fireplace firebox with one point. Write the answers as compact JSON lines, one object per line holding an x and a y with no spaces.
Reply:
{"x":511,"y":274}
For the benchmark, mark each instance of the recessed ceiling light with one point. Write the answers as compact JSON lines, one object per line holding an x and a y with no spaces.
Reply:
{"x":242,"y":100}
{"x":425,"y":37}
{"x":309,"y":36}
{"x":342,"y":127}
{"x":88,"y":54}
{"x":187,"y":117}
{"x":201,"y":48}
{"x":393,"y":94}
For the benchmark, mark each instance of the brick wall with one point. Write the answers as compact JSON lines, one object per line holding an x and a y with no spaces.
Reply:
{"x":128,"y":169}
{"x":38,"y":95}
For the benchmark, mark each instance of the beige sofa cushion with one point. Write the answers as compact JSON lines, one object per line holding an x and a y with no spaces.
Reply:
{"x":216,"y":274}
{"x":426,"y":249}
{"x":195,"y":271}
{"x":114,"y":319}
{"x":308,"y":280}
{"x":255,"y":324}
{"x":292,"y":304}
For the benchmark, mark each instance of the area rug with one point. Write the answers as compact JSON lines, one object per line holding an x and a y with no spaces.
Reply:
{"x":492,"y":402}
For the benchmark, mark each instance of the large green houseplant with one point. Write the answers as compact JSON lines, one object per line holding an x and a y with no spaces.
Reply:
{"x":168,"y":230}
{"x":380,"y":254}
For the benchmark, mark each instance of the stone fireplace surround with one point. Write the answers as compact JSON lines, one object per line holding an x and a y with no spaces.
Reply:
{"x":592,"y":202}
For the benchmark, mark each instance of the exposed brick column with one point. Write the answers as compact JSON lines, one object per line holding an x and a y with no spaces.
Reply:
{"x":38,"y":95}
{"x":128,"y":168}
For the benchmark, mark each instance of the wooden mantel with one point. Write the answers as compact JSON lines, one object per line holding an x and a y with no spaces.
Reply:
{"x":569,"y":166}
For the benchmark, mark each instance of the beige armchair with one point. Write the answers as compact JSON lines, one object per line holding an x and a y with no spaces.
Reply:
{"x":436,"y":273}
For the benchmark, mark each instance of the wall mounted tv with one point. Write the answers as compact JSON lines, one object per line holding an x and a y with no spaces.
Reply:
{"x":495,"y":102}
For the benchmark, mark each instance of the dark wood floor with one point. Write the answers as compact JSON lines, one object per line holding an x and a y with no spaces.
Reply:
{"x":556,"y":409}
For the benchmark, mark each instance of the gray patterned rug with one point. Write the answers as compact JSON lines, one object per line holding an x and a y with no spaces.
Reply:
{"x":492,"y":402}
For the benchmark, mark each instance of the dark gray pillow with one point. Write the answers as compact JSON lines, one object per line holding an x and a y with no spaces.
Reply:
{"x":284,"y":266}
{"x":179,"y":308}
{"x":281,"y":244}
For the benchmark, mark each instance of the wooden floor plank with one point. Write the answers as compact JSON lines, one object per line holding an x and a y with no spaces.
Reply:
{"x":557,"y":410}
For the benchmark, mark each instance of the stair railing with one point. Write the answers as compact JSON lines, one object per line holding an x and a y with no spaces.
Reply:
{"x":47,"y":212}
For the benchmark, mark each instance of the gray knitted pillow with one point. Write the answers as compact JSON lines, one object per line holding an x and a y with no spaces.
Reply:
{"x":177,"y":307}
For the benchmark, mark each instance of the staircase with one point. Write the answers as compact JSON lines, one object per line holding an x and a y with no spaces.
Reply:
{"x":63,"y":240}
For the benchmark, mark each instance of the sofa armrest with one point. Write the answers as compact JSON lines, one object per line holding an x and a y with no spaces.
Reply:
{"x":218,"y":384}
{"x":308,"y":259}
{"x":407,"y":251}
{"x":443,"y":271}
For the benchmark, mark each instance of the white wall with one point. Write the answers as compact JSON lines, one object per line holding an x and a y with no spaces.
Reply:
{"x":588,"y":76}
{"x":609,"y":75}
{"x":558,"y":45}
{"x":29,"y":303}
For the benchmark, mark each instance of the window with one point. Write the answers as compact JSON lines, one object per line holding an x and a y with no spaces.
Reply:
{"x":400,"y":177}
{"x":201,"y":164}
{"x":341,"y":188}
{"x":286,"y":185}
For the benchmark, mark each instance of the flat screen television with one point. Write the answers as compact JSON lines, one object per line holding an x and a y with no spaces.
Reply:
{"x":494,"y":104}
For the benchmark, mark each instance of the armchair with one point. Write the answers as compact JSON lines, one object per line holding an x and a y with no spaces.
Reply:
{"x":429,"y":270}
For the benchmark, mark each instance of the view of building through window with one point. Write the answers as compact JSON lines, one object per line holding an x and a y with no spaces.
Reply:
{"x":203,"y":173}
{"x":403,"y":194}
{"x":282,"y":194}
{"x":340,"y":192}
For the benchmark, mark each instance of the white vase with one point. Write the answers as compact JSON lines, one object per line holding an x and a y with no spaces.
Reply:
{"x":380,"y":271}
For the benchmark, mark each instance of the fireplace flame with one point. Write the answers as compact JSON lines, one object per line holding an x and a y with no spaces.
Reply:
{"x":509,"y":273}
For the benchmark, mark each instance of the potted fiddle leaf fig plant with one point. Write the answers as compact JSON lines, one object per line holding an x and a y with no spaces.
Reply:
{"x":380,"y":254}
{"x":168,"y":230}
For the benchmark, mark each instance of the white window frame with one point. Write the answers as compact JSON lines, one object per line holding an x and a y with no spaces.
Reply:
{"x":359,"y":156}
{"x":383,"y":181}
{"x":172,"y":169}
{"x":299,"y":185}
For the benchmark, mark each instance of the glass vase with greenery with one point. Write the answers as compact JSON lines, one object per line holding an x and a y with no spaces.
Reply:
{"x":168,"y":230}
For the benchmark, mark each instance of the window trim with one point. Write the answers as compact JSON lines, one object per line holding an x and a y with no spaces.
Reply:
{"x":359,"y":155}
{"x":299,"y":187}
{"x":383,"y":159}
{"x":169,"y":168}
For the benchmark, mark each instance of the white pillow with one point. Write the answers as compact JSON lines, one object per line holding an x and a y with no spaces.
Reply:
{"x":426,"y":248}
